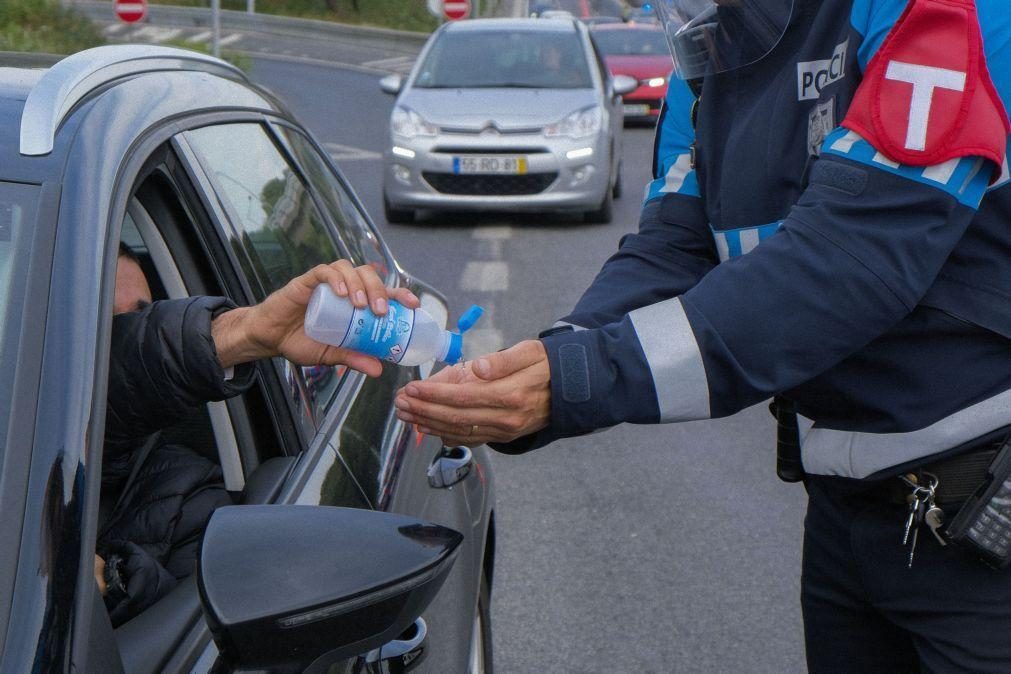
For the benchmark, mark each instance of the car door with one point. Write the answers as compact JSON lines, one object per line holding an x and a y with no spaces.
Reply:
{"x":388,"y":458}
{"x":262,"y":438}
{"x":281,"y":210}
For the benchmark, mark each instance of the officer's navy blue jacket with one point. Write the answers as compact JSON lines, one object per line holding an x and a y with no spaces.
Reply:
{"x":792,"y":257}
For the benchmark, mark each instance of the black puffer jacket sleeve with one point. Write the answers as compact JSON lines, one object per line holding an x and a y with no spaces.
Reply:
{"x":163,"y":364}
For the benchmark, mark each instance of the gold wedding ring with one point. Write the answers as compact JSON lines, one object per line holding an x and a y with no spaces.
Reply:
{"x":473,"y":430}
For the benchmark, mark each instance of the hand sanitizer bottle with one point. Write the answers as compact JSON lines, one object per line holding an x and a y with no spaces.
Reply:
{"x":403,"y":336}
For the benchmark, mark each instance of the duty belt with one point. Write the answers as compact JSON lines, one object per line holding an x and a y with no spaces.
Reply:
{"x":957,"y":477}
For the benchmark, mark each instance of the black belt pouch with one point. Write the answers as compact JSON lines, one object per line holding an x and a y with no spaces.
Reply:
{"x":983,"y":525}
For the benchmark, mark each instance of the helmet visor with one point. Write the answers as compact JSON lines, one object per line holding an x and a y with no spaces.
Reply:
{"x":715,"y":36}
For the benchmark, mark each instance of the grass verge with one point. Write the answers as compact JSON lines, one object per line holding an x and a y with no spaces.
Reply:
{"x":43,"y":26}
{"x":401,"y":14}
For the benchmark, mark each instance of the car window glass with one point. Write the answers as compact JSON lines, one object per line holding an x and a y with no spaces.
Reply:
{"x":537,"y":59}
{"x":18,"y":206}
{"x":282,"y":230}
{"x":283,"y":233}
{"x":626,"y":42}
{"x":352,"y":227}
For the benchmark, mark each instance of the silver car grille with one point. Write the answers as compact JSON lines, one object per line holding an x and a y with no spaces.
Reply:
{"x":489,"y":185}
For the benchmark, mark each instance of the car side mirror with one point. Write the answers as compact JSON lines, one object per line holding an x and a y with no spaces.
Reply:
{"x":623,"y":84}
{"x":301,"y":587}
{"x":392,"y":84}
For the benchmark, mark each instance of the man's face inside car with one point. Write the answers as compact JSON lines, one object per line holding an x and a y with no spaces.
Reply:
{"x":132,"y":290}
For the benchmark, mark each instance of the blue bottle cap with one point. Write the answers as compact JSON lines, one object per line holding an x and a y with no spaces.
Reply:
{"x":455,"y":351}
{"x":469,"y":318}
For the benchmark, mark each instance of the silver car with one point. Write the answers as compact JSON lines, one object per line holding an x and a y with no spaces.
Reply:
{"x":505,"y":115}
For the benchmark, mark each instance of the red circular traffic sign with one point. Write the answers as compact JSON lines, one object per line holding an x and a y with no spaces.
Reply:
{"x":130,"y":11}
{"x":456,"y":9}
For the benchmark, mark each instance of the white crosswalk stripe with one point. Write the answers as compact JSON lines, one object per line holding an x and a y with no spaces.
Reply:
{"x":396,"y":64}
{"x":349,"y":153}
{"x":485,"y":276}
{"x":155,"y":34}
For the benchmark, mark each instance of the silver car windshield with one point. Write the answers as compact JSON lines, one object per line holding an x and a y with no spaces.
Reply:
{"x":505,"y":59}
{"x":18,"y":205}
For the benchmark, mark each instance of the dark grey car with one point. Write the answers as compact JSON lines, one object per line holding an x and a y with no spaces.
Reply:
{"x":222,"y":193}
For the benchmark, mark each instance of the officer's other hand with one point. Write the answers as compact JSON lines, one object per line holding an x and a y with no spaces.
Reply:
{"x":496,"y":398}
{"x":275,"y":326}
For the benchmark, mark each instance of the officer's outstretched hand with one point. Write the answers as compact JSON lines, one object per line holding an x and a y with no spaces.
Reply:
{"x":275,"y":326}
{"x":496,"y":398}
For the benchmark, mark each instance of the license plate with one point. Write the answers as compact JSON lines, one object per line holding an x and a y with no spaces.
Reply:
{"x":636,"y":110}
{"x":495,"y":164}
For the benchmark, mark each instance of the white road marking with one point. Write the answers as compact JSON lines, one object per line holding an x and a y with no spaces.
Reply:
{"x":380,"y":63}
{"x":155,"y":34}
{"x":230,"y":39}
{"x":348,"y":153}
{"x":201,"y":37}
{"x":114,"y":29}
{"x":485,"y":277}
{"x":493,"y":232}
{"x":397,"y":64}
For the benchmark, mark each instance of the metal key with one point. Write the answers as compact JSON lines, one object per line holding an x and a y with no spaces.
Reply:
{"x":914,"y":524}
{"x":914,"y":514}
{"x":934,"y":517}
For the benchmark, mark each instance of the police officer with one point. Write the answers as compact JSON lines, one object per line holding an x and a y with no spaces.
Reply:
{"x":829,"y":223}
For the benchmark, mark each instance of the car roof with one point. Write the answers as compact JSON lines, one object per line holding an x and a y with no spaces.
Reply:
{"x":44,"y":98}
{"x":538,"y":25}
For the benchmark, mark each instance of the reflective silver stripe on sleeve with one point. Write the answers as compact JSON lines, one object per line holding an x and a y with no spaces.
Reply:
{"x":562,"y":324}
{"x":853,"y":454}
{"x":675,"y":362}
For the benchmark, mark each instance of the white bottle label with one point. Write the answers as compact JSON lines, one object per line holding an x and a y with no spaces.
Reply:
{"x":385,"y":337}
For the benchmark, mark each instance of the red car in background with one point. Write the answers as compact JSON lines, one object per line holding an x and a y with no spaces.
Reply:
{"x":638,"y":50}
{"x":579,"y":9}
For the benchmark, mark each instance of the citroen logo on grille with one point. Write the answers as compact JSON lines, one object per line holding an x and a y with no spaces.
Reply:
{"x":490,"y":129}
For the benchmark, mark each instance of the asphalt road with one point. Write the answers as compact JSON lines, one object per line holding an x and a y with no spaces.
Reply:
{"x":641,"y":549}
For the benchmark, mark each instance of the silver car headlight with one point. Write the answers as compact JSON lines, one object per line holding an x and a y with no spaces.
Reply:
{"x":408,"y":124}
{"x":580,"y":124}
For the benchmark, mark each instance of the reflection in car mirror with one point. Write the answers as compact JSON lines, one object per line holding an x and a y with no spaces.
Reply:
{"x":297,"y":587}
{"x":391,"y":84}
{"x":623,"y":84}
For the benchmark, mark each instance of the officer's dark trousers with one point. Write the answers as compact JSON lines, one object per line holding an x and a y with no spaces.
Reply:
{"x":865,"y":611}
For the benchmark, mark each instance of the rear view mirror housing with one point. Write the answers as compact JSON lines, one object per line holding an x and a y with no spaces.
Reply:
{"x":391,"y":84}
{"x":301,"y":587}
{"x":623,"y":84}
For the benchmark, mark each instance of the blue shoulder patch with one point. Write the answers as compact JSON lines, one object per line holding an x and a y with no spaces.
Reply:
{"x":873,"y":19}
{"x":674,"y":137}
